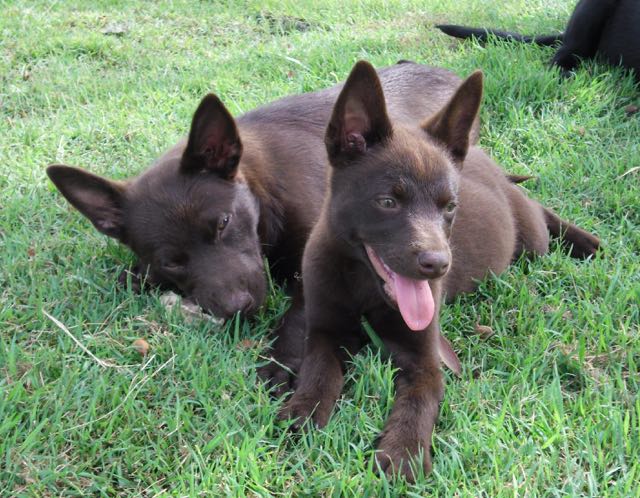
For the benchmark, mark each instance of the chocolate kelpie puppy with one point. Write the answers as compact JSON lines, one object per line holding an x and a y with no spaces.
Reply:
{"x":200,"y":219}
{"x":607,"y":28}
{"x":413,"y":213}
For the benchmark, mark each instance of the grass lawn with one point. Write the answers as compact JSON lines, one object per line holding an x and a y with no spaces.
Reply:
{"x":547,"y":406}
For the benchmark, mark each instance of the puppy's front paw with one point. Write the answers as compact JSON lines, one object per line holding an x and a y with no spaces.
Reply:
{"x":398,"y":456}
{"x":302,"y":409}
{"x":279,"y":376}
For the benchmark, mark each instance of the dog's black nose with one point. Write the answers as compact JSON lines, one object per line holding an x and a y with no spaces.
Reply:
{"x":433,"y":264}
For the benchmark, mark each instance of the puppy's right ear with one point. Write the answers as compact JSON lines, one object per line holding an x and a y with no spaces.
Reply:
{"x":359,"y":120}
{"x":452,"y":125}
{"x":97,"y":198}
{"x":214,"y":144}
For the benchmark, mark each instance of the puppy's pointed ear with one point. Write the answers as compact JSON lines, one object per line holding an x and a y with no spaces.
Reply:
{"x":359,"y":120}
{"x":214,"y":143}
{"x":99,"y":199}
{"x":452,"y":125}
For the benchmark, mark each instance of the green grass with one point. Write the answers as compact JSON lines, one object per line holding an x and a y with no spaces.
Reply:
{"x":548,"y":406}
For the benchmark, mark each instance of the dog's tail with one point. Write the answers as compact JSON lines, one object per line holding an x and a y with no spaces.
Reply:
{"x":483,"y":34}
{"x":581,"y":243}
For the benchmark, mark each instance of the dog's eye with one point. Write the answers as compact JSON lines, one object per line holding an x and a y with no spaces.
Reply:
{"x":450,"y":207}
{"x":386,"y":202}
{"x":223,"y":222}
{"x":175,"y":265}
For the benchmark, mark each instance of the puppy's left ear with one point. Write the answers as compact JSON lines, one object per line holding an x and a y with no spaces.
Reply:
{"x":214,"y":142}
{"x":452,"y":125}
{"x":359,"y":120}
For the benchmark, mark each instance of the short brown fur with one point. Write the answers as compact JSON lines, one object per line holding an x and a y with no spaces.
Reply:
{"x":397,"y":189}
{"x":266,"y":170}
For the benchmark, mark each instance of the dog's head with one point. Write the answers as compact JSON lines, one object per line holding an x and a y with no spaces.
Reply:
{"x":190,"y":219}
{"x":394,"y":187}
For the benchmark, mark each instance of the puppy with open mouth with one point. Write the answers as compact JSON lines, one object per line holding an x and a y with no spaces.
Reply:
{"x":412,"y":297}
{"x":413,"y":213}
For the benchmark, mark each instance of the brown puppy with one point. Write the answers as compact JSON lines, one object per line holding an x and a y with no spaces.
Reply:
{"x":386,"y":247}
{"x":203,"y":215}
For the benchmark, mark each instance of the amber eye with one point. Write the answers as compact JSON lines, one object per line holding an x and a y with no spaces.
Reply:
{"x":386,"y":202}
{"x":223,"y":222}
{"x":450,"y":207}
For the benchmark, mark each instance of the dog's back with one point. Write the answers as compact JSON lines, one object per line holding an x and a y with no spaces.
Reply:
{"x":497,"y":223}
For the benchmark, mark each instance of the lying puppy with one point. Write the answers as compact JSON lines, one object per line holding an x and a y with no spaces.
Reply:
{"x":387,"y":247}
{"x":607,"y":28}
{"x":202,"y":217}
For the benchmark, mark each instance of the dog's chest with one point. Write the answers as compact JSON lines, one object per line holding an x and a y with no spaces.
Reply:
{"x":365,"y":291}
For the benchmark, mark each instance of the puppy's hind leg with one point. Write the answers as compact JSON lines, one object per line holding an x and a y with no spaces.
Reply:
{"x":532,"y":232}
{"x":581,"y":243}
{"x":535,"y":223}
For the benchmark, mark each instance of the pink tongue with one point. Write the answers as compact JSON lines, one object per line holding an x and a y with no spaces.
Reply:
{"x":415,"y":301}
